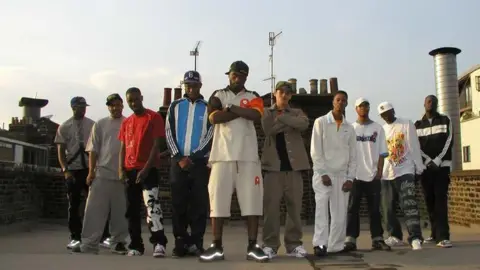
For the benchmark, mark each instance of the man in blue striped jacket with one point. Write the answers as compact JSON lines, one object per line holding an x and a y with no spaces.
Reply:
{"x":189,"y":140}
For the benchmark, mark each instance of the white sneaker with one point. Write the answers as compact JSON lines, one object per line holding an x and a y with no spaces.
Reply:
{"x":73,"y":244}
{"x":393,"y":241}
{"x":270,"y":252}
{"x":298,"y":252}
{"x":159,"y":251}
{"x":106,"y":243}
{"x":416,"y":244}
{"x":134,"y":252}
{"x":445,"y":244}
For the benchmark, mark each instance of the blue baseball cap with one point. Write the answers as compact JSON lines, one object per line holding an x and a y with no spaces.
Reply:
{"x":192,"y":76}
{"x":78,"y":102}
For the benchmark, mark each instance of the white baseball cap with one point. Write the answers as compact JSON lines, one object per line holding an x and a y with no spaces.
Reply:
{"x":360,"y":101}
{"x":384,"y":106}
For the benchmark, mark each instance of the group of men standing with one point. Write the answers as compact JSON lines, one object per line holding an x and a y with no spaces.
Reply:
{"x":214,"y":151}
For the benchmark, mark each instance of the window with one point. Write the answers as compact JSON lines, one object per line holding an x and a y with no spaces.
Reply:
{"x":466,"y":154}
{"x":477,"y":83}
{"x":468,"y":94}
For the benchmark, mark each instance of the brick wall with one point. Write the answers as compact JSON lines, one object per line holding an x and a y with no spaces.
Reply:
{"x":464,"y":198}
{"x":27,"y":194}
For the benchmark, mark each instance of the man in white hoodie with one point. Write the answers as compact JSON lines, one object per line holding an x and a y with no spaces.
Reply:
{"x":333,"y":151}
{"x":398,"y":182}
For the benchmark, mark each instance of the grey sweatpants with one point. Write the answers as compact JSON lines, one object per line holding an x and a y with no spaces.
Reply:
{"x":105,"y":197}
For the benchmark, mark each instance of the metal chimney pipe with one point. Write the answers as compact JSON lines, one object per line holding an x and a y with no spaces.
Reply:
{"x":177,"y":93}
{"x":446,"y":83}
{"x":167,"y":96}
{"x":293,"y":82}
{"x":333,"y":85}
{"x":313,"y":86}
{"x":323,"y":86}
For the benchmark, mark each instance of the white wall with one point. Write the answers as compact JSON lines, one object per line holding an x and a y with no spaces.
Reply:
{"x":470,"y":130}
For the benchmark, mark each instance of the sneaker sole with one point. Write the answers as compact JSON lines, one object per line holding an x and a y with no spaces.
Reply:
{"x":159,"y":255}
{"x":258,"y":260}
{"x":212,"y":260}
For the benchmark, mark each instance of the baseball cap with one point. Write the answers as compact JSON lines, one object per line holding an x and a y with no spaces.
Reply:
{"x":361,"y":100}
{"x":384,"y":106}
{"x":282,"y":84}
{"x":113,"y":97}
{"x":239,"y":67}
{"x":78,"y":102}
{"x":192,"y":77}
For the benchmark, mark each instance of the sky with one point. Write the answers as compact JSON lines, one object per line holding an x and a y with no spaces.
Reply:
{"x":378,"y":49}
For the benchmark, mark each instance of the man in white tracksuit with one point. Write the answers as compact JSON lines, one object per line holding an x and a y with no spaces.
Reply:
{"x":333,"y":151}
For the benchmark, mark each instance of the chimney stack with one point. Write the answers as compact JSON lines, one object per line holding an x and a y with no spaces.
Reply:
{"x":445,"y":67}
{"x":323,"y":86}
{"x":32,"y":107}
{"x":167,"y":96}
{"x":293,"y":82}
{"x":313,"y":86}
{"x":177,"y":93}
{"x":333,"y":85}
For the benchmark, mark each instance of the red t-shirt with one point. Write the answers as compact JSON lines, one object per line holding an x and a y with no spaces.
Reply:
{"x":138,"y":133}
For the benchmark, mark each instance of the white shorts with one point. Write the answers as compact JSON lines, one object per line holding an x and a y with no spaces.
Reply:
{"x":243,"y":176}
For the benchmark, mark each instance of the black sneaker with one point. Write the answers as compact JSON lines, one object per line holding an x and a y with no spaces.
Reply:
{"x":120,"y":249}
{"x":193,"y":250}
{"x":380,"y":245}
{"x":213,"y":253}
{"x":320,"y":251}
{"x":256,"y":253}
{"x":179,"y":252}
{"x":349,"y":246}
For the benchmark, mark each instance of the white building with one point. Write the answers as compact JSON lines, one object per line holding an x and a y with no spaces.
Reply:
{"x":469,"y":87}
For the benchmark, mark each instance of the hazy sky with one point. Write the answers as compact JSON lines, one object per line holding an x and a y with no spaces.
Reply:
{"x":378,"y":49}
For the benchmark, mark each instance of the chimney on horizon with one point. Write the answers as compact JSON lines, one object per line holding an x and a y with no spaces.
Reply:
{"x":177,"y":93}
{"x":167,"y":96}
{"x":333,"y":85}
{"x":313,"y":86}
{"x":323,"y":86}
{"x":293,"y":82}
{"x":32,"y":107}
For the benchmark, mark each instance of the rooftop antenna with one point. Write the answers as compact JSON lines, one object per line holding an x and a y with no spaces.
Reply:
{"x":195,"y":53}
{"x":272,"y":38}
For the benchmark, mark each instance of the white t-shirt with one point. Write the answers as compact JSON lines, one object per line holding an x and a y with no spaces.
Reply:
{"x":403,"y":150}
{"x":371,"y":144}
{"x":104,"y":141}
{"x":236,"y":140}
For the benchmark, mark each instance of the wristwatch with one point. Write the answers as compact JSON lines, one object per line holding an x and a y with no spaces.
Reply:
{"x":229,"y":106}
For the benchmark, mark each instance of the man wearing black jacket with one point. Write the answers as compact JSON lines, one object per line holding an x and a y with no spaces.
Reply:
{"x":434,"y":131}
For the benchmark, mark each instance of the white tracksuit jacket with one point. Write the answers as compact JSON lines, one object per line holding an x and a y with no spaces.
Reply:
{"x":333,"y":151}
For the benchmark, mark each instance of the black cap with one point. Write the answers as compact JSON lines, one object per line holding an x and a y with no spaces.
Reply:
{"x":78,"y":102}
{"x":192,"y":76}
{"x":239,"y":67}
{"x":112,"y":98}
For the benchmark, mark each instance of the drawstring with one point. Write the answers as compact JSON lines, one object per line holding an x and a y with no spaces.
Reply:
{"x":236,"y":162}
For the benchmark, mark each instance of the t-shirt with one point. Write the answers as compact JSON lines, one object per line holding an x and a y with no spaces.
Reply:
{"x":371,"y":144}
{"x":74,"y":134}
{"x":104,"y":142}
{"x":403,"y":150}
{"x":138,"y":133}
{"x":236,"y":140}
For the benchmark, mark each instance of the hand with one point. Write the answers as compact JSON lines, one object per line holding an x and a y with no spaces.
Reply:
{"x":122,"y":175}
{"x":432,"y":165}
{"x":378,"y":176}
{"x":141,"y":175}
{"x":67,"y":175}
{"x":185,"y":163}
{"x":326,"y":180}
{"x":90,"y":177}
{"x":347,"y":186}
